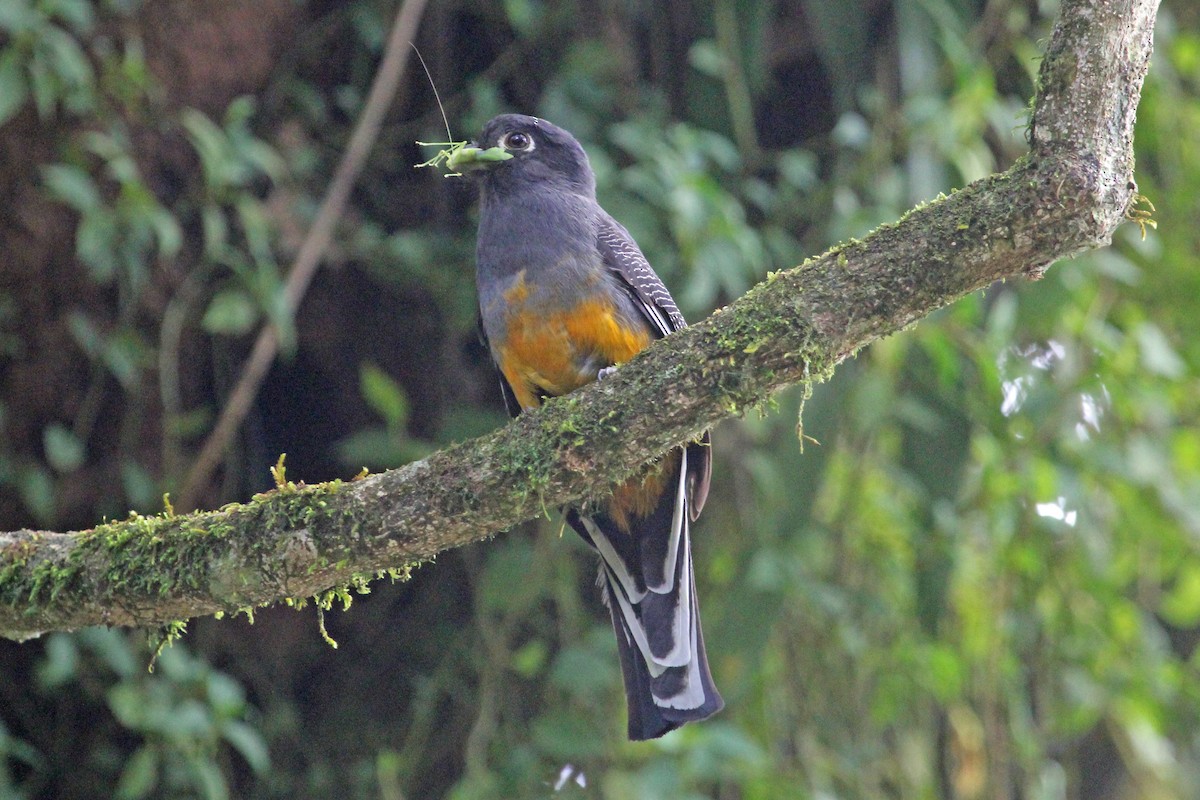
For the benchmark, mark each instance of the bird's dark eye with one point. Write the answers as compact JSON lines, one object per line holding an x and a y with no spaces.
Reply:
{"x":517,"y":141}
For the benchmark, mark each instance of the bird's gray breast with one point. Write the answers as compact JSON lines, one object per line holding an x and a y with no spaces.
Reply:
{"x":539,"y":248}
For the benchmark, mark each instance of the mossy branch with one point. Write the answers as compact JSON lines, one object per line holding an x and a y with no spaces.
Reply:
{"x":1067,"y":195}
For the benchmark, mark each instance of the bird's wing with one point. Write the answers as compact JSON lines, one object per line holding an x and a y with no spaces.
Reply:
{"x":622,"y":256}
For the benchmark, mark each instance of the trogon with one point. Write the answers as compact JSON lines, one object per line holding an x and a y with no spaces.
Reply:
{"x":565,"y":294}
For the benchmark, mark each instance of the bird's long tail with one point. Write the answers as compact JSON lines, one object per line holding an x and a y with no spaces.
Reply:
{"x":648,"y":585}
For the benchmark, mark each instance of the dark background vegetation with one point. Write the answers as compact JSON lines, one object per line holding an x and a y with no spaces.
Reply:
{"x":983,"y":582}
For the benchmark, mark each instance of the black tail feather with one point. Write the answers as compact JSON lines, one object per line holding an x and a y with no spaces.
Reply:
{"x":647,"y":719}
{"x":657,"y":703}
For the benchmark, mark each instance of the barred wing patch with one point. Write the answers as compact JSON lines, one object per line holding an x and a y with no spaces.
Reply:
{"x":623,"y":256}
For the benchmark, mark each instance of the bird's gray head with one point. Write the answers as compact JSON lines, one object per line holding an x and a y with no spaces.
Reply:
{"x":514,"y":152}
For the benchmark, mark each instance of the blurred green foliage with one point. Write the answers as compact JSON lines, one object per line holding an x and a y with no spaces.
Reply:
{"x":979,"y":579}
{"x":184,"y":723}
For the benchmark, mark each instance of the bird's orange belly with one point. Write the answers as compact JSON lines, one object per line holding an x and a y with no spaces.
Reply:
{"x":555,"y":352}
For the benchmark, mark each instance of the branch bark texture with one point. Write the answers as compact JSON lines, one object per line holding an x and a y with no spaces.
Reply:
{"x":1067,"y":195}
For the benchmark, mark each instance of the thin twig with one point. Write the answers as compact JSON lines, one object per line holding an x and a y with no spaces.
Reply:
{"x":383,"y":89}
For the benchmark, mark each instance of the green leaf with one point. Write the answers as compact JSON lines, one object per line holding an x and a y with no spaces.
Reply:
{"x":19,"y":17}
{"x":231,"y":312}
{"x":14,"y":88}
{"x":124,"y":352}
{"x":85,"y":334}
{"x":1181,"y":605}
{"x":15,"y":749}
{"x":72,"y":185}
{"x":1158,"y":356}
{"x":529,"y":659}
{"x":264,"y":158}
{"x":113,"y":648}
{"x":188,"y":721}
{"x":943,"y":671}
{"x":73,"y":71}
{"x":140,"y":488}
{"x":210,"y":145}
{"x":178,"y":665}
{"x":128,"y":705}
{"x":257,"y":230}
{"x":76,"y":13}
{"x":61,"y":662}
{"x":64,"y":450}
{"x":42,"y":84}
{"x":167,"y":230}
{"x":216,"y":231}
{"x":96,"y":242}
{"x":139,"y":777}
{"x":799,"y":169}
{"x":384,"y":395}
{"x":36,"y":488}
{"x":238,"y":112}
{"x":524,"y":15}
{"x":250,"y":743}
{"x":225,"y":694}
{"x":706,"y":58}
{"x":209,"y":779}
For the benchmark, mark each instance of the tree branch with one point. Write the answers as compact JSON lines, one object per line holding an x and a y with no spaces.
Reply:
{"x":1067,"y":195}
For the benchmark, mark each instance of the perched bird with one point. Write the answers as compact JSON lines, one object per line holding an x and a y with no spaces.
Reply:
{"x":565,"y":294}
